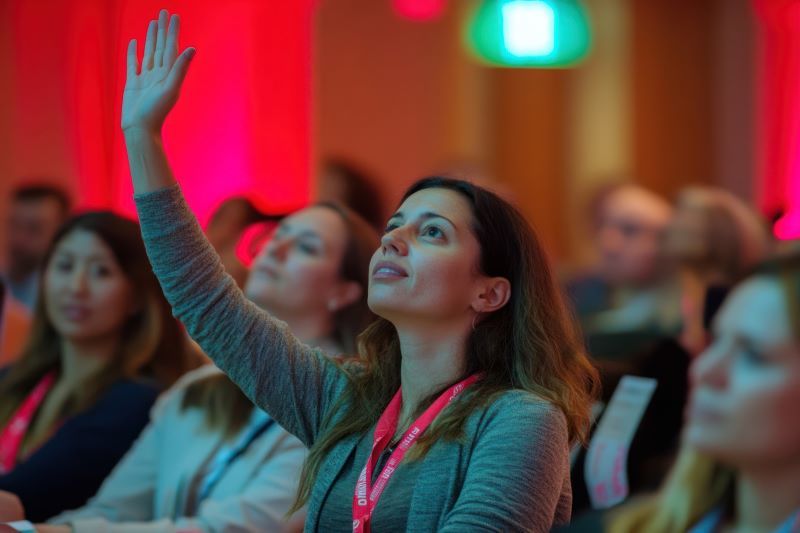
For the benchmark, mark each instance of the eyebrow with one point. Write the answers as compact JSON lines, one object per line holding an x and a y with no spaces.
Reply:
{"x":70,"y":254}
{"x":427,"y":215}
{"x":302,"y":235}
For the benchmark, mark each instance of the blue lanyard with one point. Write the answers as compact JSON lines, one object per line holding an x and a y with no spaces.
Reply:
{"x":227,"y":456}
{"x":711,"y":522}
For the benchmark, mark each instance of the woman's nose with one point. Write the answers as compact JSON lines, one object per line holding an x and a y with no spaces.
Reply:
{"x":393,"y":241}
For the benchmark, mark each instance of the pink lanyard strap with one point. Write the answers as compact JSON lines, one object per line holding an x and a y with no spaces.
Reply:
{"x":365,"y":498}
{"x":13,"y":434}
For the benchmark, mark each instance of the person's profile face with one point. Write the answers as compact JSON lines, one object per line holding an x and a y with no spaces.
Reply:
{"x":746,"y":385}
{"x":299,"y":268}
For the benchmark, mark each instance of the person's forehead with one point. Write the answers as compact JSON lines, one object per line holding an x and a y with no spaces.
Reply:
{"x":319,"y":220}
{"x":44,"y":206}
{"x":757,"y":309}
{"x":444,"y":202}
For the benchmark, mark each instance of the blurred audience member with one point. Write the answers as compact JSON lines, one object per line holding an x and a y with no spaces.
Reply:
{"x":714,"y":239}
{"x":14,"y":328}
{"x":227,"y":225}
{"x":34,"y":216}
{"x":739,"y":468}
{"x":623,"y":297}
{"x":73,"y":403}
{"x":347,"y":184}
{"x":189,"y":469}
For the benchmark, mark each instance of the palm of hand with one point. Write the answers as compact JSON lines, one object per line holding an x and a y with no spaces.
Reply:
{"x":150,"y":94}
{"x":147,"y":99}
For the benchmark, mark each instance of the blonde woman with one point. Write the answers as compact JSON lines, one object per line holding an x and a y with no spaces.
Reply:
{"x":739,"y":468}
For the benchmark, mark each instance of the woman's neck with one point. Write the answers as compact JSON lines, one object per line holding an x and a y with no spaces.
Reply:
{"x":766,"y":497}
{"x":430,"y":361}
{"x":81,"y":360}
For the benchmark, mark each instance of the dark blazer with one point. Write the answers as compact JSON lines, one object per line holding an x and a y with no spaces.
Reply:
{"x":70,"y":466}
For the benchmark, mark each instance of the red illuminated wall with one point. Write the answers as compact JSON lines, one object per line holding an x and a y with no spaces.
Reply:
{"x":779,"y":112}
{"x":243,"y":124}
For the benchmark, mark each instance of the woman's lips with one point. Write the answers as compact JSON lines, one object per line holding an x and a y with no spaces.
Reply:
{"x":386,"y":270}
{"x":75,"y":313}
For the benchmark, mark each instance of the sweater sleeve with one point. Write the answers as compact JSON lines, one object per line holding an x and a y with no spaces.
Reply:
{"x":69,"y":468}
{"x":517,"y":472}
{"x":292,"y":382}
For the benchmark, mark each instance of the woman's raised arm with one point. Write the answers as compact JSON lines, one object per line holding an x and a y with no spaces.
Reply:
{"x":293,"y":383}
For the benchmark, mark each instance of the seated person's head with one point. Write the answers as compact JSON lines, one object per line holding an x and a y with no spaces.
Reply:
{"x":344,"y":183}
{"x":716,"y":235}
{"x":745,"y":384}
{"x":34,"y":215}
{"x":316,"y":265}
{"x":742,"y":415}
{"x":100,"y":295}
{"x":630,"y":222}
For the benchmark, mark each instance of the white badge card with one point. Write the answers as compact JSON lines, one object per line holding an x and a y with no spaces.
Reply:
{"x":607,"y":458}
{"x":19,"y":525}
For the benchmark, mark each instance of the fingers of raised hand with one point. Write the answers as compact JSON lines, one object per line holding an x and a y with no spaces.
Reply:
{"x":171,"y":49}
{"x":161,"y":38}
{"x":178,"y":72}
{"x":149,"y":46}
{"x":133,"y":63}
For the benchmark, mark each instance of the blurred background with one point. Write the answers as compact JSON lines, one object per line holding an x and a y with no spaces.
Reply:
{"x":660,"y":93}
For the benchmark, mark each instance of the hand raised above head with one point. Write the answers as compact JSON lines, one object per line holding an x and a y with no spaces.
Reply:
{"x":150,"y":93}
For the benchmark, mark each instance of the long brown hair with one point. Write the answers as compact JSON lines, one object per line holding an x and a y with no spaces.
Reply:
{"x":697,"y":483}
{"x":531,"y":343}
{"x":225,"y":405}
{"x":152,"y":343}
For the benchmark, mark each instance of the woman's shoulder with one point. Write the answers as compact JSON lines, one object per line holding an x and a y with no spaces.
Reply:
{"x":520,"y":411}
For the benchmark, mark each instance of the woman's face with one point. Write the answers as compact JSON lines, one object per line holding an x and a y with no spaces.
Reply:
{"x":746,"y":385}
{"x":87,"y":295}
{"x":298,"y":270}
{"x":426,"y":267}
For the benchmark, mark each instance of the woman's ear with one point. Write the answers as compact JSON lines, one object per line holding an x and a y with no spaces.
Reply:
{"x":346,"y":293}
{"x":494,"y":294}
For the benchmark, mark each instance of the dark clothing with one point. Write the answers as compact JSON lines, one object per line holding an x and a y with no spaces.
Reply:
{"x":70,"y":466}
{"x":657,"y":437}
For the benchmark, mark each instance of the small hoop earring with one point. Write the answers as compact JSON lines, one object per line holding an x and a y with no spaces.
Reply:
{"x":475,"y":320}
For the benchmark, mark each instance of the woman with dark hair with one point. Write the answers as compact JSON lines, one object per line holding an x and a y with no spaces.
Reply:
{"x":458,"y":413}
{"x":102,"y":345}
{"x":210,"y":460}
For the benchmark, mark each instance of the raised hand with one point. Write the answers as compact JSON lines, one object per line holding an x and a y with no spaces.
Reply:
{"x":152,"y":93}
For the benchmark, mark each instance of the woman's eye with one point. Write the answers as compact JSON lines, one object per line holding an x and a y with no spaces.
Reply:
{"x":433,"y":232}
{"x":63,"y":266}
{"x":390,"y":227}
{"x":307,"y":248}
{"x":100,"y":271}
{"x":753,"y":356}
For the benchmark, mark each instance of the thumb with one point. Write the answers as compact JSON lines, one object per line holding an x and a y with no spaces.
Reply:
{"x":180,"y":68}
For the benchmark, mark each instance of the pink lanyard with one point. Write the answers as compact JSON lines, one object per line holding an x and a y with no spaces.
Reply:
{"x":12,"y":435}
{"x":364,"y":506}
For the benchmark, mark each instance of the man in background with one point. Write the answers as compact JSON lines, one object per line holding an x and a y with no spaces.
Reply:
{"x":34,"y":215}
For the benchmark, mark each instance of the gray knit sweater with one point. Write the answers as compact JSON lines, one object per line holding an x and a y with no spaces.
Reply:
{"x":510,"y":473}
